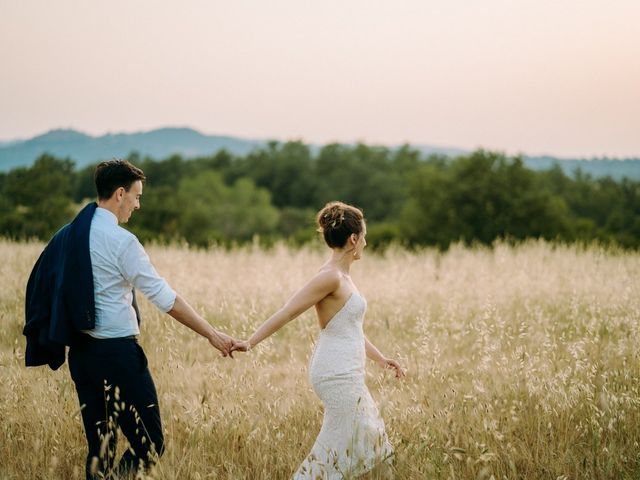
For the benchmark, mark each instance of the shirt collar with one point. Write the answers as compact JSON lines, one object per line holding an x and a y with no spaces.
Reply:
{"x":106,"y":215}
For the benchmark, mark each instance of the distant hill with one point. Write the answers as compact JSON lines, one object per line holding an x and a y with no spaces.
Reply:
{"x":85,"y":149}
{"x":161,"y":143}
{"x":596,"y":167}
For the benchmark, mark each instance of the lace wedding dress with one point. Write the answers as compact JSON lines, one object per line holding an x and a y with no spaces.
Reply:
{"x":352,"y":439}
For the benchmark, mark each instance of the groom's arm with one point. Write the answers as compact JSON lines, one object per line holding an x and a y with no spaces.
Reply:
{"x":136,"y":267}
{"x":186,"y":315}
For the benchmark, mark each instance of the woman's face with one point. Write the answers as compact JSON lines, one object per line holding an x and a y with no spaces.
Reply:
{"x":361,"y":242}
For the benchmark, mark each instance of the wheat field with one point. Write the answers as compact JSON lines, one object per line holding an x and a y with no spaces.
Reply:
{"x":522,"y":364}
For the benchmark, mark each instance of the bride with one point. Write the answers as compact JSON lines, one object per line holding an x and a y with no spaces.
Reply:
{"x":352,"y":439}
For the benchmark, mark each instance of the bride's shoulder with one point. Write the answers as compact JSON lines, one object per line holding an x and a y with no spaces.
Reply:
{"x":329,"y":276}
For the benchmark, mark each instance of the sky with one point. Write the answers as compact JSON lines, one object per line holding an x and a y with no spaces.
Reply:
{"x":555,"y":77}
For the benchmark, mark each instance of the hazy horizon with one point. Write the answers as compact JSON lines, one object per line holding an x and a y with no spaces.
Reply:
{"x":270,"y":138}
{"x":537,"y":78}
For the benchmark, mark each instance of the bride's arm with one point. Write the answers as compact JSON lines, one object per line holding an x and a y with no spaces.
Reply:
{"x":315,"y":290}
{"x":374,"y":354}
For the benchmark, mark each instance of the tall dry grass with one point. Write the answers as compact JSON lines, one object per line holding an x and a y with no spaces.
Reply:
{"x":522,"y":363}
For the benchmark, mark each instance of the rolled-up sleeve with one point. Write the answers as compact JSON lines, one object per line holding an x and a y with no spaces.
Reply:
{"x":136,"y":267}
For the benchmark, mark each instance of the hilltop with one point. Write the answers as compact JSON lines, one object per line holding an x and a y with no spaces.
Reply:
{"x":161,"y":143}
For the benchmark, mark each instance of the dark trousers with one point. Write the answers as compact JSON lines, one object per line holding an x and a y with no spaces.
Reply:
{"x":115,"y":389}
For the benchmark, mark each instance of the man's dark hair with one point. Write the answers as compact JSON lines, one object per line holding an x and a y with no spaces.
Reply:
{"x":113,"y":174}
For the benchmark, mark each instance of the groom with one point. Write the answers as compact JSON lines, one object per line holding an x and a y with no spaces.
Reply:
{"x":80,"y":293}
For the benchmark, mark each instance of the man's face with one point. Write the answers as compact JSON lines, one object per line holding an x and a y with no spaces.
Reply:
{"x":130,"y":201}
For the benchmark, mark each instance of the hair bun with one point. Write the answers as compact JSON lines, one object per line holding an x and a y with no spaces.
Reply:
{"x":332,"y":217}
{"x":337,"y":220}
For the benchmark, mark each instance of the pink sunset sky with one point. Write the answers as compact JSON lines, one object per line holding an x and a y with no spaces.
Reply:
{"x":535,"y":77}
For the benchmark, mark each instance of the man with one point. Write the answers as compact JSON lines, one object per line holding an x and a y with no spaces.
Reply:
{"x":80,"y":293}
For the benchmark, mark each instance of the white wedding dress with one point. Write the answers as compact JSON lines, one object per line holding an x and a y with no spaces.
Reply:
{"x":352,"y":439}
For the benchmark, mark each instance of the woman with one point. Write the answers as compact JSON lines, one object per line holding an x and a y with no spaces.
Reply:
{"x":352,"y":440}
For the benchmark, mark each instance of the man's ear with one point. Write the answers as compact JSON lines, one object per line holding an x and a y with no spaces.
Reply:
{"x":119,"y":193}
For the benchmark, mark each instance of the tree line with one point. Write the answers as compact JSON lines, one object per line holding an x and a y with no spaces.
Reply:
{"x":273,"y":193}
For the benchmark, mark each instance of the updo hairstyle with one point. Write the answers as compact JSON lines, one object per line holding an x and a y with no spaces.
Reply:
{"x":336,"y":221}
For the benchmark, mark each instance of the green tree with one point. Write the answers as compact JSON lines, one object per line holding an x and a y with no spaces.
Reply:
{"x":84,"y":186}
{"x":38,"y":199}
{"x":368,"y":177}
{"x":214,"y":212}
{"x":286,"y":170}
{"x":480,"y":197}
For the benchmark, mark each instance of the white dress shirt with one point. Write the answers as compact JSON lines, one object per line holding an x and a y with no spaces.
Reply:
{"x":119,"y":263}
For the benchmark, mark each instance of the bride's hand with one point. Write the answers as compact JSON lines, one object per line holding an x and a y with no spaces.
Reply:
{"x":241,"y":346}
{"x":391,"y":363}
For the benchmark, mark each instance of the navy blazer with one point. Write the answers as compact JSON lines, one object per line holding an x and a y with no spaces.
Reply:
{"x":59,"y":300}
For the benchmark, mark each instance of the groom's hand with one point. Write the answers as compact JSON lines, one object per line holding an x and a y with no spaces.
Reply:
{"x":222,"y":342}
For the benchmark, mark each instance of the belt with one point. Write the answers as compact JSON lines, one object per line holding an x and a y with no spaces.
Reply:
{"x":83,"y":337}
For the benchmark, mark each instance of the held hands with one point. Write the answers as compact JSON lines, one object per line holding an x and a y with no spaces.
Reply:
{"x":226,"y":344}
{"x":241,"y":346}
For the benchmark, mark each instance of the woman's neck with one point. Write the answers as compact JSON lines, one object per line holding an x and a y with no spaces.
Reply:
{"x":342,"y":260}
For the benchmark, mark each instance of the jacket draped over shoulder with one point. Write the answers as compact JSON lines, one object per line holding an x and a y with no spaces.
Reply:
{"x":60,"y":297}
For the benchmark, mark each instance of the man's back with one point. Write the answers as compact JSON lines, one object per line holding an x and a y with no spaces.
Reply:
{"x":119,"y":263}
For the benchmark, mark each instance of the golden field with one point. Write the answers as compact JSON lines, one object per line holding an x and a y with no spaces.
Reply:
{"x":522,"y":364}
